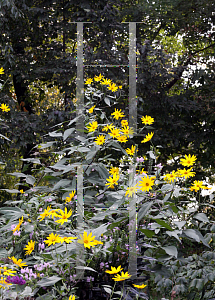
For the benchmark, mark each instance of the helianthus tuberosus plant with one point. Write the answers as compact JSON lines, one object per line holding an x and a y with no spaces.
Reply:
{"x":43,"y":229}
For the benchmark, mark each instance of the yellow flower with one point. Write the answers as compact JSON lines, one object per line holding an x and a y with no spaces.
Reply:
{"x":140,"y":286}
{"x":197,"y":185}
{"x":92,"y":126}
{"x":67,"y":239}
{"x":120,"y":87}
{"x":87,"y":240}
{"x":188,"y":160}
{"x":147,"y":120}
{"x":185,"y":173}
{"x":4,"y":107}
{"x":112,"y":181}
{"x":114,"y":270}
{"x":18,"y":226}
{"x":106,"y":81}
{"x":121,"y":277}
{"x":46,"y":213}
{"x":148,"y":137}
{"x":91,"y":109}
{"x":21,"y":191}
{"x":171,"y":177}
{"x":114,"y":132}
{"x":112,"y":87}
{"x":98,"y":78}
{"x":146,"y":183}
{"x":131,"y":190}
{"x":124,"y":123}
{"x":53,"y":212}
{"x":100,"y":140}
{"x":4,"y":283}
{"x":30,"y":247}
{"x":122,"y":138}
{"x":68,"y":199}
{"x":18,"y":262}
{"x":52,"y":239}
{"x":7,"y":272}
{"x":97,"y":242}
{"x":126,"y":130}
{"x":108,"y":127}
{"x":114,"y":170}
{"x":117,"y":114}
{"x":2,"y":70}
{"x":63,"y":216}
{"x":89,"y":81}
{"x":72,"y":297}
{"x":131,"y":151}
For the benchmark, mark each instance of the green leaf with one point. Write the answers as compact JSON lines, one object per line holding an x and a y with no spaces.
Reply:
{"x":143,"y":210}
{"x":192,"y":234}
{"x":163,"y":224}
{"x":171,"y":250}
{"x":147,"y":232}
{"x":55,"y":134}
{"x":47,"y":281}
{"x":67,"y":133}
{"x":201,"y":217}
{"x":85,"y":268}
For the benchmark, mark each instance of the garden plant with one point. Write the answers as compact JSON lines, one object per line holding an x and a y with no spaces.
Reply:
{"x":53,"y":248}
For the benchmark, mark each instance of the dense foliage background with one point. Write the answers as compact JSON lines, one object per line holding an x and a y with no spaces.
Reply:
{"x":175,"y":77}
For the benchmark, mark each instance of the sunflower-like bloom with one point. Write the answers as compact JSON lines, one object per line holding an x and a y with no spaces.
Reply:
{"x":88,"y":81}
{"x":112,"y":87}
{"x":92,"y":126}
{"x":114,"y":133}
{"x":63,"y":216}
{"x":108,"y":127}
{"x":72,"y":297}
{"x":67,"y":239}
{"x":147,"y":120}
{"x":146,"y":183}
{"x":114,"y":270}
{"x":131,"y":190}
{"x":4,"y":107}
{"x":131,"y":151}
{"x":122,"y":138}
{"x":140,"y":286}
{"x":91,"y":109}
{"x":126,"y":130}
{"x":1,"y":70}
{"x":30,"y":247}
{"x":52,"y":239}
{"x":171,"y":177}
{"x":18,"y":262}
{"x":148,"y":137}
{"x":114,"y":170}
{"x":18,"y":226}
{"x":112,"y":180}
{"x":7,"y":272}
{"x":106,"y":81}
{"x":100,"y":140}
{"x":197,"y":185}
{"x":188,"y":160}
{"x":98,"y":78}
{"x":185,"y":173}
{"x":71,"y":195}
{"x":124,"y":123}
{"x":121,"y":277}
{"x":118,"y":114}
{"x":45,"y":214}
{"x":87,"y":240}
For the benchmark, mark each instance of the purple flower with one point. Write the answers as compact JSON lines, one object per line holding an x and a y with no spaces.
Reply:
{"x":16,"y":280}
{"x":41,"y":246}
{"x":16,"y":233}
{"x":48,"y":200}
